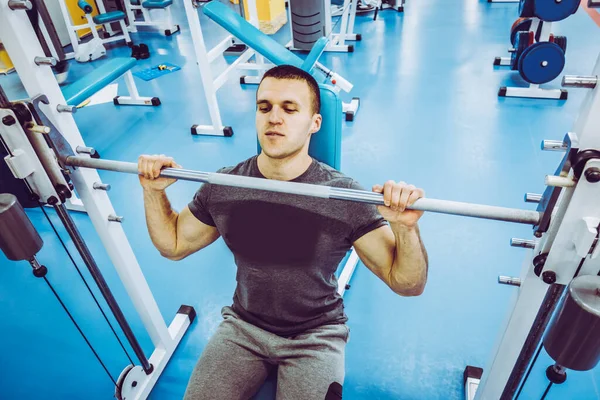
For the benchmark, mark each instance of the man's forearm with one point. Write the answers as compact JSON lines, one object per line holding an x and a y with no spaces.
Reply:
{"x":162,"y":221}
{"x":408,"y":274}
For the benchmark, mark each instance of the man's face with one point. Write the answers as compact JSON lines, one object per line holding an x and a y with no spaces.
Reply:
{"x":284,"y":117}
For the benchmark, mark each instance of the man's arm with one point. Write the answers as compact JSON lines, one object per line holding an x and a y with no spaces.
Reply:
{"x":397,"y":256}
{"x":175,"y":235}
{"x":396,"y":253}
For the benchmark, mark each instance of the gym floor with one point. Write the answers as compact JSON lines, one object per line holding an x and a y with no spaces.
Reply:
{"x":429,"y":115}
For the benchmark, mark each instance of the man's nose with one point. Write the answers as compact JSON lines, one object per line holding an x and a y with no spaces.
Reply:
{"x":275,"y":116}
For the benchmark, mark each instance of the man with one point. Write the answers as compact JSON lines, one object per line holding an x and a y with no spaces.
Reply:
{"x":286,"y":311}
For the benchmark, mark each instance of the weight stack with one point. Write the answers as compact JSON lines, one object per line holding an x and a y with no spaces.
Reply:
{"x":573,"y":337}
{"x":308,"y":22}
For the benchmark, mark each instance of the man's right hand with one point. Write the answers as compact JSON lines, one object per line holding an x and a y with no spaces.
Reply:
{"x":149,"y":168}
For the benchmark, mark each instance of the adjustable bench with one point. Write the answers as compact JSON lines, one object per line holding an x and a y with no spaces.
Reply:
{"x":82,"y":89}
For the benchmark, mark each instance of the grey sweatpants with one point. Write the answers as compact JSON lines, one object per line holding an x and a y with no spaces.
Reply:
{"x":239,"y":357}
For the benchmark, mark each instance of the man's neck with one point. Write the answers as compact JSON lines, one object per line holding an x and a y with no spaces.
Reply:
{"x":283,"y":169}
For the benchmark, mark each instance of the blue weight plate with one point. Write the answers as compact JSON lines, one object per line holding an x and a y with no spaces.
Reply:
{"x":552,"y":11}
{"x":541,"y":62}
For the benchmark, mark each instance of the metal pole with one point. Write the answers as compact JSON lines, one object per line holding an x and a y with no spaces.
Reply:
{"x":327,"y":192}
{"x":89,"y":261}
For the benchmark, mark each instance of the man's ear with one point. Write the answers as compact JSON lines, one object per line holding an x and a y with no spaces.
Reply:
{"x":316,"y":123}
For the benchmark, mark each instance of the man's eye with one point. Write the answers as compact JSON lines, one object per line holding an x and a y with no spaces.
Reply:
{"x":290,"y":110}
{"x":263,"y":109}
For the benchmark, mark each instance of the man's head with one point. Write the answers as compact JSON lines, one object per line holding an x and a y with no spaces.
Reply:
{"x":288,"y":102}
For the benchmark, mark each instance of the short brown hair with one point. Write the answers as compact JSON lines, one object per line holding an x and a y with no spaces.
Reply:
{"x":295,"y":73}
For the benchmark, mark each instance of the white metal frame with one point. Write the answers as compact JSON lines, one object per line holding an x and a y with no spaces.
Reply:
{"x":165,"y":24}
{"x":337,"y":41}
{"x":569,"y":239}
{"x":204,"y":59}
{"x":72,"y":29}
{"x":22,"y":45}
{"x":532,"y":91}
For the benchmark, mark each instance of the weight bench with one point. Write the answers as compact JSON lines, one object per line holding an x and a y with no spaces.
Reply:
{"x":82,"y":89}
{"x":272,"y":50}
{"x":145,"y":7}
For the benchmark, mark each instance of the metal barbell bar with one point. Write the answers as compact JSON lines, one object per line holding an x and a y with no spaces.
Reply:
{"x":305,"y":189}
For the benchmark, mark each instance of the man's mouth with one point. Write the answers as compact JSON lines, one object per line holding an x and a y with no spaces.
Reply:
{"x":273,"y":133}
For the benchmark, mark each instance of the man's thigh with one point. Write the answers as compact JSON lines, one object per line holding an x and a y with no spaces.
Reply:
{"x":312,"y":364}
{"x":231,"y":366}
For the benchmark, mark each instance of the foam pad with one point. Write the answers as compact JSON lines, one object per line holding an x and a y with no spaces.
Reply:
{"x":109,"y":17}
{"x":93,"y":82}
{"x":316,"y":51}
{"x":157,"y":3}
{"x":84,"y":6}
{"x":326,"y":144}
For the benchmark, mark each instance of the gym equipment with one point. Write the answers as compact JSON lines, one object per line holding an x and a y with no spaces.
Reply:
{"x":304,"y":189}
{"x":551,"y":11}
{"x":140,"y":12}
{"x":277,"y":54}
{"x":573,"y":337}
{"x":94,"y":48}
{"x":21,"y":43}
{"x":205,"y":57}
{"x":311,"y":20}
{"x":85,"y":87}
{"x":154,"y":72}
{"x":539,"y":57}
{"x":18,"y":238}
{"x":566,"y":249}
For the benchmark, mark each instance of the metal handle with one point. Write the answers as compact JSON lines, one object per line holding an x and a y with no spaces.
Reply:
{"x":101,"y":186}
{"x":85,"y":150}
{"x":304,"y":189}
{"x":554,"y":145}
{"x":509,"y":280}
{"x":533,"y":198}
{"x":65,"y":108}
{"x":527,"y":244}
{"x":45,"y":61}
{"x":115,"y":218}
{"x":20,"y":5}
{"x":578,"y":81}
{"x":559,"y":181}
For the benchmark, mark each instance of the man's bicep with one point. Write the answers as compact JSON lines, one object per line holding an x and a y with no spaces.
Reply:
{"x":376,"y":250}
{"x":193,"y":234}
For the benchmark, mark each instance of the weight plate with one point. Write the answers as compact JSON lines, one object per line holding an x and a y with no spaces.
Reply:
{"x":527,"y":8}
{"x":552,"y":11}
{"x":521,"y":24}
{"x":541,"y":62}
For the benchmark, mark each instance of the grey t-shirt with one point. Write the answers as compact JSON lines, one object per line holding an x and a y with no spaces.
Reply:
{"x":287,"y":247}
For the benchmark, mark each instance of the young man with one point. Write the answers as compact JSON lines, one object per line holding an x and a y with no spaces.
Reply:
{"x":286,"y":311}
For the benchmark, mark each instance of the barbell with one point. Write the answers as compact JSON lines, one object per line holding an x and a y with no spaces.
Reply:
{"x":312,"y":190}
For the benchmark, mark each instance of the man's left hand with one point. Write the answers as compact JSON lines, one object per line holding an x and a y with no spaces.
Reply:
{"x":397,"y":197}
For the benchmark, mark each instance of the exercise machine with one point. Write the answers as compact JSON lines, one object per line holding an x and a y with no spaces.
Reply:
{"x":94,"y":48}
{"x":205,"y":57}
{"x":140,"y":13}
{"x":536,"y":53}
{"x":563,"y":254}
{"x":51,"y":188}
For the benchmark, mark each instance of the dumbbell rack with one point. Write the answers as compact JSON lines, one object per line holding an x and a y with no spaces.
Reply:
{"x":533,"y":90}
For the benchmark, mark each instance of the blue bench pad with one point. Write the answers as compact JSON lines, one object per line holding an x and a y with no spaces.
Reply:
{"x":85,"y":87}
{"x":109,"y":17}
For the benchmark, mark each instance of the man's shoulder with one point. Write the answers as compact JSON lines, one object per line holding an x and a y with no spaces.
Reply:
{"x":332,"y":177}
{"x":242,"y":168}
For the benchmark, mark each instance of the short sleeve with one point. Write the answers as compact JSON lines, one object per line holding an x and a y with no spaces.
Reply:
{"x":364,"y":217}
{"x":199,"y":206}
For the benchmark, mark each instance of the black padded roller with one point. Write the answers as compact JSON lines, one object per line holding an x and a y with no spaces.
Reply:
{"x":18,"y":238}
{"x":573,"y":337}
